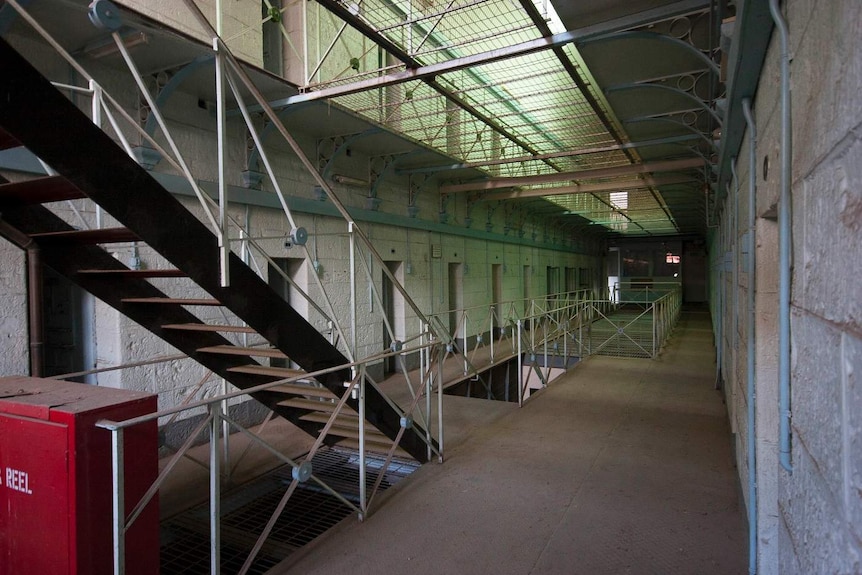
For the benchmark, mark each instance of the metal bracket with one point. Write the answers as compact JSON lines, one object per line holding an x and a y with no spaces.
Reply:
{"x":302,"y":472}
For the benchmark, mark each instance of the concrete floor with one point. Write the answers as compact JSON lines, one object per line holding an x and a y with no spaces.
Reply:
{"x":620,"y":466}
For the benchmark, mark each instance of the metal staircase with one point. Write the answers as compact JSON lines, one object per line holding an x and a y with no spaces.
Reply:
{"x":90,"y":165}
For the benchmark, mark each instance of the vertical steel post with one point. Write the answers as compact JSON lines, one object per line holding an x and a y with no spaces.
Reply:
{"x":363,"y":495}
{"x":568,"y":324}
{"x":491,"y":333}
{"x":118,"y":501}
{"x":352,"y":238}
{"x":221,"y":126}
{"x":464,"y":343}
{"x":653,"y":330}
{"x":581,"y":332}
{"x":305,"y":77}
{"x":215,"y":491}
{"x":96,"y":104}
{"x":545,"y":340}
{"x":520,"y":368}
{"x":428,"y":411}
{"x":225,"y":432}
{"x":440,"y":405}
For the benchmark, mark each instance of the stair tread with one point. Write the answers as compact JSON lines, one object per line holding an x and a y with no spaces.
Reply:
{"x":370,"y":434}
{"x":238,"y":350}
{"x":311,"y":405}
{"x":98,"y":236}
{"x":209,"y":327}
{"x":171,"y":300}
{"x":347,"y":418}
{"x":165,"y":273}
{"x":37,"y":190}
{"x":375,"y":447}
{"x":300,"y":389}
{"x":255,"y":369}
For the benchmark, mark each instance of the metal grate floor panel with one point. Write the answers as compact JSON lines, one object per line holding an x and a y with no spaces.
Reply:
{"x":310,"y":512}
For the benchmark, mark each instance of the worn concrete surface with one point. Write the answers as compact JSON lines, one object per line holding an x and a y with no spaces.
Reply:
{"x":621,"y":466}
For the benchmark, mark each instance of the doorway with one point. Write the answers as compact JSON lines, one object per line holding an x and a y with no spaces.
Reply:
{"x":496,"y":298}
{"x":456,"y":297}
{"x":393,"y":310}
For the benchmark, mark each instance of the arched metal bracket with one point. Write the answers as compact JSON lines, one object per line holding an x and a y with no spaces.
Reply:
{"x":339,"y":147}
{"x":635,"y":86}
{"x":644,"y":35}
{"x":444,"y":207}
{"x":253,"y":153}
{"x":390,"y":166}
{"x":173,"y":83}
{"x":472,"y":200}
{"x":639,"y":120}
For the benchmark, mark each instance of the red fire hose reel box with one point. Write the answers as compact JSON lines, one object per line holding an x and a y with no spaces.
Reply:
{"x":55,"y":478}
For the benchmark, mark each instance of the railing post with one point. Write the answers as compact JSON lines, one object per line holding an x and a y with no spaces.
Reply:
{"x":118,"y":501}
{"x":581,"y":332}
{"x":426,"y":375}
{"x":215,"y":491}
{"x":439,"y":403}
{"x":491,"y":330}
{"x":653,"y":329}
{"x":221,"y":127}
{"x":96,"y":106}
{"x":566,"y":343}
{"x":464,"y":344}
{"x":520,"y":367}
{"x":363,"y":495}
{"x":545,"y":340}
{"x":352,"y":288}
{"x":225,"y":432}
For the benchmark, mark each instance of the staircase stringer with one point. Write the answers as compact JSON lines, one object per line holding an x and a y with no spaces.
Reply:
{"x":101,"y":170}
{"x":67,"y":260}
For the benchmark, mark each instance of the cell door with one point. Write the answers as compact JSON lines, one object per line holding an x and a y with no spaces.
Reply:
{"x":393,"y":309}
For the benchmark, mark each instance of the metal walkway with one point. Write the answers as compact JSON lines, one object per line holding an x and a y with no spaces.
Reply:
{"x":621,"y":466}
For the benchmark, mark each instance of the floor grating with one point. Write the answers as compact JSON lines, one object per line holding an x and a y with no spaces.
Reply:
{"x":310,"y":512}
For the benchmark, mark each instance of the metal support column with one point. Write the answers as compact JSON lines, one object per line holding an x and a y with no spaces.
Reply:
{"x":117,"y":502}
{"x":215,"y":491}
{"x":439,"y":403}
{"x":363,"y":495}
{"x":221,"y":126}
{"x":352,"y":289}
{"x":96,"y":107}
{"x":520,"y":367}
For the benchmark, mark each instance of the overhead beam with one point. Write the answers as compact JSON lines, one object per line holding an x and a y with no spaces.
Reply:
{"x":751,"y":36}
{"x":415,"y":71}
{"x":369,"y":32}
{"x":628,"y":170}
{"x":432,"y":70}
{"x":590,"y":188}
{"x":552,"y":155}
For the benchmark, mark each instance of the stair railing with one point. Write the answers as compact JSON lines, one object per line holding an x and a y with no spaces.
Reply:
{"x":105,"y":106}
{"x":125,"y":513}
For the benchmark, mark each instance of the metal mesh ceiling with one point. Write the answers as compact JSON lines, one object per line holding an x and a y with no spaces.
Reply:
{"x":523,"y":106}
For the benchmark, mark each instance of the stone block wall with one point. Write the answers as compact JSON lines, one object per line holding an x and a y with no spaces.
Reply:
{"x":810,"y":520}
